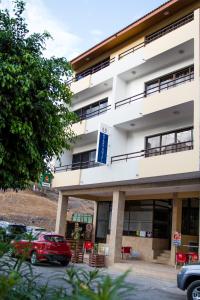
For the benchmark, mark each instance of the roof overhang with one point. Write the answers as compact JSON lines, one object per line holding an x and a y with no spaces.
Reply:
{"x":131,"y":30}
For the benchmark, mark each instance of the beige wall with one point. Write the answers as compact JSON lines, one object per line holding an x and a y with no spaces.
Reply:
{"x":168,"y":98}
{"x":173,"y":163}
{"x":80,"y":85}
{"x":79,"y":128}
{"x":169,"y":41}
{"x":66,"y":178}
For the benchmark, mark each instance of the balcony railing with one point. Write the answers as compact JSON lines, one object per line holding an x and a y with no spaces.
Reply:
{"x":175,"y":25}
{"x":156,"y":35}
{"x":94,"y":113}
{"x":77,"y":166}
{"x":161,"y":87}
{"x":171,"y":148}
{"x":92,"y":70}
{"x":131,"y":50}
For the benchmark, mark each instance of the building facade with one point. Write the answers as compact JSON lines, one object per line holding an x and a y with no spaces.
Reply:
{"x":143,"y":84}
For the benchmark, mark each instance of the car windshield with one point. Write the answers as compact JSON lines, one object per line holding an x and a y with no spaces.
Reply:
{"x":17,"y":229}
{"x":54,"y":238}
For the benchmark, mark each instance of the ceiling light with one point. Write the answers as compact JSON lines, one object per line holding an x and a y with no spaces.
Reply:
{"x":166,"y":13}
{"x":133,"y":72}
{"x":87,"y":59}
{"x":176,"y":112}
{"x":132,"y":124}
{"x":105,"y":84}
{"x":181,"y":51}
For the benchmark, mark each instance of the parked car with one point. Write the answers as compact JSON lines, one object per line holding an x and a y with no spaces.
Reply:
{"x":34,"y":230}
{"x":189,"y":279}
{"x":45,"y":247}
{"x":9,"y":231}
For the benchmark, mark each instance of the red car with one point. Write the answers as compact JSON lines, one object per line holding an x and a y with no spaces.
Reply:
{"x":46,"y":247}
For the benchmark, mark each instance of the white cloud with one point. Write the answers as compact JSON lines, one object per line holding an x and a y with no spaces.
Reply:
{"x":39,"y":19}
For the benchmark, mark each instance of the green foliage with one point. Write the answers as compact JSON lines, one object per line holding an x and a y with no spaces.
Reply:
{"x":35,"y":120}
{"x":18,"y":282}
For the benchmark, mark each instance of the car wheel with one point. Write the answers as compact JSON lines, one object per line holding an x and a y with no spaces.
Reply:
{"x":193,"y":291}
{"x":34,"y":259}
{"x":64,"y":263}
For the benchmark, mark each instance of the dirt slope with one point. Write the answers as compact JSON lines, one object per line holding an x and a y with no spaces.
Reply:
{"x":32,"y":208}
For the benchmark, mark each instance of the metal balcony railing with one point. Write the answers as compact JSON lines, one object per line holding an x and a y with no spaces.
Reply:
{"x":169,"y":28}
{"x":161,"y":87}
{"x":92,"y":70}
{"x":94,"y":113}
{"x":77,"y":166}
{"x":148,"y":39}
{"x":171,"y":148}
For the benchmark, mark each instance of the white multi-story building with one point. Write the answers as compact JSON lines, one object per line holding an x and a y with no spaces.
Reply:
{"x":143,"y":84}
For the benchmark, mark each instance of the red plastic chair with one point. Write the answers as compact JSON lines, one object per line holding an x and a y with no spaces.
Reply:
{"x":88,"y":246}
{"x":126,"y":250}
{"x":181,"y":258}
{"x":192,"y":257}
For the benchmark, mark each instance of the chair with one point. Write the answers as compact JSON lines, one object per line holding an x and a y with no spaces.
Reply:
{"x":126,"y":251}
{"x":88,"y":246}
{"x":181,"y":258}
{"x":192,"y":257}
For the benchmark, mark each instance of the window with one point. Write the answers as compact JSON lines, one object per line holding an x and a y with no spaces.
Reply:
{"x":170,"y":80}
{"x":84,"y":160}
{"x":174,"y":141}
{"x":103,"y":220}
{"x":93,"y":109}
{"x":190,"y":217}
{"x":138,"y":218}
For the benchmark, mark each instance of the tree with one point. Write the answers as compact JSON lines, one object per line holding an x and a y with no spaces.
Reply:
{"x":35,"y":118}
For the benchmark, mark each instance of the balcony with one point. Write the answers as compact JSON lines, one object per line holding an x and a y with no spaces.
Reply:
{"x":157,"y":35}
{"x":170,"y":37}
{"x":83,"y":80}
{"x":79,"y":127}
{"x":170,"y":159}
{"x":164,"y":95}
{"x":62,"y":178}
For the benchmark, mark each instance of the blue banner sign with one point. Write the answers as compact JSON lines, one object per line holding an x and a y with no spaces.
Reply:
{"x":102,"y":146}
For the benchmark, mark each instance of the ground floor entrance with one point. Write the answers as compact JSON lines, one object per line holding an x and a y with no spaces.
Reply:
{"x":147,"y":227}
{"x":142,"y":216}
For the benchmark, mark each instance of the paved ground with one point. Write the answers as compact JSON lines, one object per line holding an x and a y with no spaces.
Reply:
{"x":145,"y":287}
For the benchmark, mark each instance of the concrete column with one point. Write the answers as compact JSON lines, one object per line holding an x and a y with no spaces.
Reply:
{"x":176,"y":223}
{"x":61,"y":218}
{"x":94,"y":221}
{"x":117,"y":222}
{"x":199,"y":227}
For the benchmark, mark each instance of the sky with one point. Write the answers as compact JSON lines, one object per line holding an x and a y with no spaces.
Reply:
{"x":77,"y":25}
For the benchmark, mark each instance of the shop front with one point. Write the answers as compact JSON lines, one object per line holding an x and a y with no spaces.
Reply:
{"x":147,"y":226}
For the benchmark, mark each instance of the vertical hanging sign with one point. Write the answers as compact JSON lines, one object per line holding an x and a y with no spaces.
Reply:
{"x":102,"y":144}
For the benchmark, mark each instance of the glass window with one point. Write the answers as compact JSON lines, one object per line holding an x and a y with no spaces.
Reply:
{"x":168,"y":143}
{"x":153,"y":146}
{"x":179,"y":140}
{"x":166,"y":82}
{"x":190,"y":217}
{"x":83,"y":160}
{"x":152,"y":87}
{"x":103,"y":220}
{"x":171,"y":80}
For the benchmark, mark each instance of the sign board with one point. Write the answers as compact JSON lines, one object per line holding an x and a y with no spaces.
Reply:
{"x":176,"y":241}
{"x":45,"y":180}
{"x":102,"y":144}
